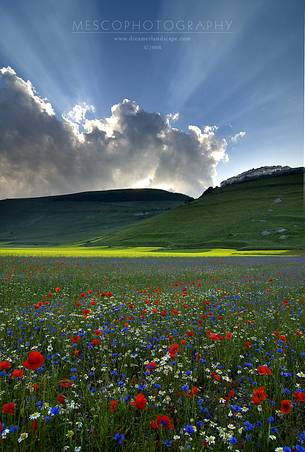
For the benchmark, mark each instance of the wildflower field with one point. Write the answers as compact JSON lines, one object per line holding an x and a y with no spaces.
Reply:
{"x":152,"y":354}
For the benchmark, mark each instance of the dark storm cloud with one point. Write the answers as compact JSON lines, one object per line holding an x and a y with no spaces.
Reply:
{"x":41,"y":154}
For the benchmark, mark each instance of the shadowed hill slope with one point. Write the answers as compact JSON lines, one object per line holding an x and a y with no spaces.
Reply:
{"x":67,"y":219}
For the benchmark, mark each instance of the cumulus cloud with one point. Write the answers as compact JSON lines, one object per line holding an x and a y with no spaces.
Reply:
{"x":238,"y":136}
{"x":43,"y":154}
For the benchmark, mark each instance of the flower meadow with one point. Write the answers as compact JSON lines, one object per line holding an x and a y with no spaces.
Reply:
{"x":152,"y":354}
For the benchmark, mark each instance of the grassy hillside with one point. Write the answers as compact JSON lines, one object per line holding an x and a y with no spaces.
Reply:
{"x":67,"y":219}
{"x":257,"y":214}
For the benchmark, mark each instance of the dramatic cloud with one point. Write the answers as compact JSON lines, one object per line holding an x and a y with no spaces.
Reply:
{"x":41,"y":154}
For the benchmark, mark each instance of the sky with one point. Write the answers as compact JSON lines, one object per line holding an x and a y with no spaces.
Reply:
{"x":88,"y":102}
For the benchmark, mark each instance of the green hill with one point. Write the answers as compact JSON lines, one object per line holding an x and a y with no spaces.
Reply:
{"x":74,"y":218}
{"x":264,"y":213}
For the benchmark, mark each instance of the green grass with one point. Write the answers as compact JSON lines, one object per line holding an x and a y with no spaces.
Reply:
{"x":135,"y":252}
{"x":234,"y":216}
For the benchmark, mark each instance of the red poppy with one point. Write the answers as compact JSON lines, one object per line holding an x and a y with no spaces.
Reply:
{"x":17,"y":373}
{"x":151,"y":366}
{"x":216,"y":376}
{"x":113,"y":404}
{"x":34,"y":425}
{"x":65,"y":383}
{"x":194,"y":391}
{"x":173,"y":349}
{"x":4,"y":365}
{"x":86,"y":312}
{"x":299,"y":396}
{"x":95,"y":342}
{"x":259,"y":395}
{"x":162,"y":422}
{"x":213,"y":336}
{"x":264,"y":370}
{"x":57,"y":289}
{"x":286,"y":406}
{"x":139,"y":401}
{"x":247,"y":344}
{"x":36,"y":387}
{"x":8,"y":408}
{"x":61,"y":398}
{"x":230,"y":395}
{"x":34,"y":361}
{"x":75,"y":339}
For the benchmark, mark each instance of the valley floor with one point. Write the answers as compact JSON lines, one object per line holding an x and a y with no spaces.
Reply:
{"x":137,"y":252}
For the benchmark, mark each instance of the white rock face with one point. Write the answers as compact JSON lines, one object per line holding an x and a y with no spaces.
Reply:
{"x":264,"y":233}
{"x":254,"y":173}
{"x":277,"y":200}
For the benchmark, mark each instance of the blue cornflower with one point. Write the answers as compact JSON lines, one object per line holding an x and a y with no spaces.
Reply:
{"x":299,"y":448}
{"x":301,"y":437}
{"x":185,"y":388}
{"x":236,"y":408}
{"x":54,"y":410}
{"x":233,"y":440}
{"x":119,"y":437}
{"x":157,"y":386}
{"x":248,"y":426}
{"x":270,"y":419}
{"x":168,"y":443}
{"x":287,"y":449}
{"x":39,"y":404}
{"x":189,"y":429}
{"x":286,"y":374}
